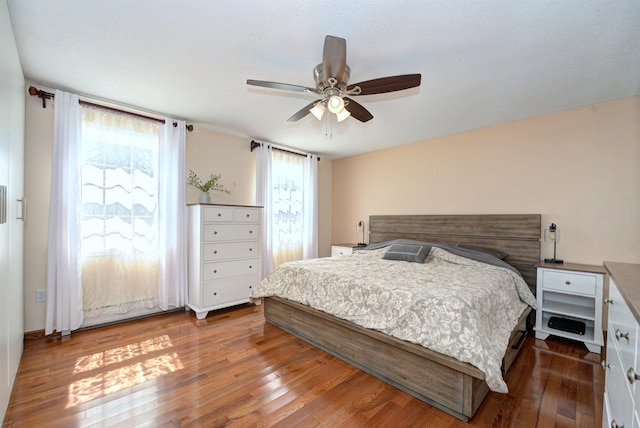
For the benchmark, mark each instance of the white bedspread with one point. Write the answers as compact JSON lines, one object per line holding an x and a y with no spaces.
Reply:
{"x":450,"y":304}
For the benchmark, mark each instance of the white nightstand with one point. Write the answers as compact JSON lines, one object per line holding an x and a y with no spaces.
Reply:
{"x":571,"y":292}
{"x":344,"y":249}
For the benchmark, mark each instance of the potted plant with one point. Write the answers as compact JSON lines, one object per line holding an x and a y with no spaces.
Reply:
{"x":213,"y":183}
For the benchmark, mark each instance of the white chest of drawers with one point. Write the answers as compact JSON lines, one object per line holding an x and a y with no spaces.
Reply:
{"x":224,"y":255}
{"x":622,"y":377}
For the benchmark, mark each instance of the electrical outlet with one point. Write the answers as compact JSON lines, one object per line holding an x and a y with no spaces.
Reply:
{"x":41,"y":295}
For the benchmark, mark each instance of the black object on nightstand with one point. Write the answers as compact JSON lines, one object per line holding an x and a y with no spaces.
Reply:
{"x":565,"y":324}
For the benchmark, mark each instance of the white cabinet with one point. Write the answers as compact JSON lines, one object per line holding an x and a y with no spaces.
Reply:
{"x":224,"y":255}
{"x":12,"y":142}
{"x":621,"y":404}
{"x":570,"y":294}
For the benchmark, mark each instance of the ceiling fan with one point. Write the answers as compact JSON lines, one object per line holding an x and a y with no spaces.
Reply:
{"x":332,"y":85}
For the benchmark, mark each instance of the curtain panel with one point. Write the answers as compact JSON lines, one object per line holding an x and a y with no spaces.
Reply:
{"x":172,"y":208}
{"x":64,"y":287}
{"x":264,"y":163}
{"x":310,"y":208}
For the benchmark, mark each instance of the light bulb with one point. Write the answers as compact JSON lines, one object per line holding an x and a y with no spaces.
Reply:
{"x":335,"y":104}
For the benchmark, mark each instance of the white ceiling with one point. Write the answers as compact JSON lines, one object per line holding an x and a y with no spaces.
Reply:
{"x":482,"y":62}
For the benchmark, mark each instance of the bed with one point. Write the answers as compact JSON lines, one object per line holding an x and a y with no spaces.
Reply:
{"x":443,"y":381}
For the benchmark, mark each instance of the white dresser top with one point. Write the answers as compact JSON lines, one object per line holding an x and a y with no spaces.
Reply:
{"x":627,"y":279}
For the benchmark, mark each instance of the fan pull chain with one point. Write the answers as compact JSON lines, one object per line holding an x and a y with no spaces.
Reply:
{"x":328,"y":122}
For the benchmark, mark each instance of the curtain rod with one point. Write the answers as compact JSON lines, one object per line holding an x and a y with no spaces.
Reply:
{"x":35,"y":92}
{"x":255,"y":144}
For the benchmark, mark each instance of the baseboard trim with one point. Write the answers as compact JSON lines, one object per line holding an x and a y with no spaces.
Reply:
{"x":39,"y":334}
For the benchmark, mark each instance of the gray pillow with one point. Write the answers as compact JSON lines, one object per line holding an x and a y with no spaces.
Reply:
{"x":407,"y":253}
{"x":495,"y":253}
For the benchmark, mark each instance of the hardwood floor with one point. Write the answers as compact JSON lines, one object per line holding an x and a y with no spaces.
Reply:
{"x":232,"y":369}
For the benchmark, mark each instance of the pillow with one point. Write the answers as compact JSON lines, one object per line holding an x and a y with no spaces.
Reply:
{"x":495,"y":253}
{"x":407,"y":253}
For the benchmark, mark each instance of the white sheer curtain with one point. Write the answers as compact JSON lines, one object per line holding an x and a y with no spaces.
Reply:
{"x":310,"y":208}
{"x":172,"y":215}
{"x":121,"y":258}
{"x":64,"y":288}
{"x":264,"y":157}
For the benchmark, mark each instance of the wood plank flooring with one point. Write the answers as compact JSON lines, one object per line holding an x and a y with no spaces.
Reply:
{"x":232,"y":369}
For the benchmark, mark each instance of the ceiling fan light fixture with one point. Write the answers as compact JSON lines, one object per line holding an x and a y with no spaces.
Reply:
{"x":343,"y":115}
{"x":318,"y":110}
{"x":335,"y":104}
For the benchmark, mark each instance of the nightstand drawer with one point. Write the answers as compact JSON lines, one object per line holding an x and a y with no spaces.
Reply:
{"x":569,"y":282}
{"x":337,"y":250}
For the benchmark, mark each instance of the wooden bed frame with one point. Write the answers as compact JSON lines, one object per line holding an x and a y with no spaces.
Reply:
{"x":444,"y":382}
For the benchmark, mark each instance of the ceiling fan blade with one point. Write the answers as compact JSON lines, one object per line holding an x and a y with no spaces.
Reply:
{"x":302,"y":112}
{"x":281,"y":86}
{"x":334,"y":57}
{"x":388,"y":84}
{"x":357,"y":111}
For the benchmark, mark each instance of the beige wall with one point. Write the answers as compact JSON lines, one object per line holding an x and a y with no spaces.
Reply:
{"x":580,"y":169}
{"x":207,"y":152}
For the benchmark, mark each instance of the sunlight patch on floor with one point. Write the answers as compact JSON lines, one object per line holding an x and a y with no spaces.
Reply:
{"x":118,"y":379}
{"x":123,"y":353}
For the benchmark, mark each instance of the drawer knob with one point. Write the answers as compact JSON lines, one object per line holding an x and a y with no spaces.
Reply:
{"x":219,"y":214}
{"x":215,"y":232}
{"x":215,"y":294}
{"x":568,"y":282}
{"x":250,"y":249}
{"x":250,"y":267}
{"x":215,"y":271}
{"x":608,"y":301}
{"x":215,"y":251}
{"x":620,"y":335}
{"x":251,"y":231}
{"x":247,"y":215}
{"x":632,"y":375}
{"x":615,"y":425}
{"x":605,"y":365}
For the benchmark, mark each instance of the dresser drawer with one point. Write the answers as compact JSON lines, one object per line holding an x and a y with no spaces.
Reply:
{"x":230,"y":250}
{"x":230,"y":232}
{"x":618,"y":390}
{"x":220,"y":270}
{"x":230,"y":290}
{"x":569,"y":282}
{"x":218,"y":214}
{"x":247,"y":215}
{"x":622,"y":327}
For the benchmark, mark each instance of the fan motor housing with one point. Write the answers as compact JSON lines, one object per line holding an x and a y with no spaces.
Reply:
{"x":321,"y":84}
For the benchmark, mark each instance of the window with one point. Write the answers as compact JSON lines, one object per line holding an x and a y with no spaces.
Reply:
{"x":286,"y":186}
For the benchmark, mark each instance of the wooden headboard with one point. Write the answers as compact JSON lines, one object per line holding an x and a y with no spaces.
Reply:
{"x":515,"y":234}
